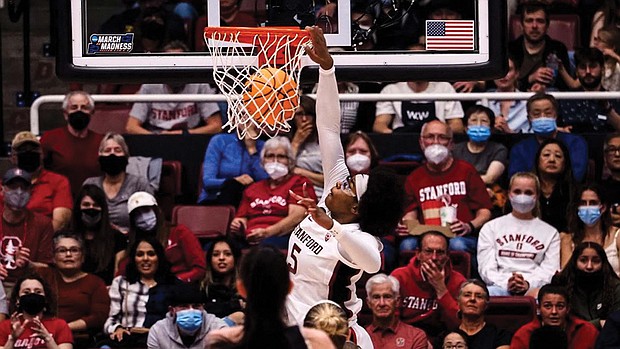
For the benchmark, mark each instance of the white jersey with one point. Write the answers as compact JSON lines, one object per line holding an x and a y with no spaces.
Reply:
{"x":317,"y":267}
{"x":319,"y":271}
{"x":508,"y":244}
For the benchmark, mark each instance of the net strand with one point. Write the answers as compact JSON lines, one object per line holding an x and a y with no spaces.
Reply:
{"x":268,"y":112}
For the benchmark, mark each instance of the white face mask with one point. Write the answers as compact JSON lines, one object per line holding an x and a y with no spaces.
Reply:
{"x":358,"y":162}
{"x":276,"y":170}
{"x":146,"y":220}
{"x":436,"y":153}
{"x":523,"y":203}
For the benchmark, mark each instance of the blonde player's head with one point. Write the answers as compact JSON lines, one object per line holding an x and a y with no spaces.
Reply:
{"x":331,"y":319}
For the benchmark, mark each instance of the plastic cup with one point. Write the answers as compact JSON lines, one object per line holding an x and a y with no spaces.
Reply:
{"x":447,"y":214}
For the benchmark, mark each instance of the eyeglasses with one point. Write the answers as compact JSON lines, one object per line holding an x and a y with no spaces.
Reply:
{"x":276,"y":157}
{"x":72,"y":250}
{"x":439,"y":138}
{"x":455,"y":346}
{"x":346,"y":186}
{"x":612,"y":150}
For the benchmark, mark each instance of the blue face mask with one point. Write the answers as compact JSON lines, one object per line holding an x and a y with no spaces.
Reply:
{"x":589,"y":215}
{"x":189,"y":320}
{"x":478,"y":133}
{"x":544,"y":126}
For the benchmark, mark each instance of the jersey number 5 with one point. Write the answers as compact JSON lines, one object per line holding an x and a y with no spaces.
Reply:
{"x":292,"y":267}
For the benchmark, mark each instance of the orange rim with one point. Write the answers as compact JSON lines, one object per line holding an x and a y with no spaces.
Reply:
{"x":247,"y":34}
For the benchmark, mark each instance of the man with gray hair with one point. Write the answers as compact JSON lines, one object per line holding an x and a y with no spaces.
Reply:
{"x":72,"y":151}
{"x":386,"y":330}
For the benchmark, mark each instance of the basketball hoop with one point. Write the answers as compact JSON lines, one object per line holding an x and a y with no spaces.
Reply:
{"x":257,"y":69}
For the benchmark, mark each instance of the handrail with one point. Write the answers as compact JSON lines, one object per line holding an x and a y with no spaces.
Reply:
{"x":484,"y":97}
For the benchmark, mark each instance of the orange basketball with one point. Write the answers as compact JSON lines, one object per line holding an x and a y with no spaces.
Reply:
{"x":271,"y":96}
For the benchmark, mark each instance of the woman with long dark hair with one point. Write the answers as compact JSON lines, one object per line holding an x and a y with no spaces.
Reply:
{"x":264,"y":282}
{"x":220,"y":282}
{"x":592,"y":283}
{"x":554,"y":171}
{"x":140,"y":297}
{"x":589,"y":219}
{"x":104,"y":246}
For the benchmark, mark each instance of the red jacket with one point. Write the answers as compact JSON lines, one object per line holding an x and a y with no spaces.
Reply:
{"x":581,"y":334}
{"x":420,"y":306}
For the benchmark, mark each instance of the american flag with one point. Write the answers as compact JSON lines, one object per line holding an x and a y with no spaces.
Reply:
{"x":449,"y":35}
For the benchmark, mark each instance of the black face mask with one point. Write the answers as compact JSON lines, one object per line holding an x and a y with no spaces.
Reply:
{"x":589,"y":280}
{"x":29,"y":161}
{"x":112,"y":164}
{"x":32,"y":303}
{"x":91,"y":217}
{"x":79,"y":120}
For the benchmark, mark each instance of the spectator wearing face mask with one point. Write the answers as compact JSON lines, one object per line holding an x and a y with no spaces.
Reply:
{"x":489,"y":158}
{"x":26,"y":235}
{"x":268,"y":212}
{"x":71,"y":150}
{"x":104,"y":246}
{"x":181,"y":247}
{"x":51,"y":192}
{"x":117,"y":184}
{"x":361,"y":154}
{"x":542,"y":110}
{"x":445,"y":181}
{"x":187,"y":323}
{"x":518,"y":252}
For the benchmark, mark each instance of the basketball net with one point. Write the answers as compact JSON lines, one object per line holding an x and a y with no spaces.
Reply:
{"x":238,"y":55}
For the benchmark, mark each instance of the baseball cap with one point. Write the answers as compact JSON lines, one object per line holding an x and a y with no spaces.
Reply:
{"x":140,"y":199}
{"x":24,"y":137}
{"x":16,"y":173}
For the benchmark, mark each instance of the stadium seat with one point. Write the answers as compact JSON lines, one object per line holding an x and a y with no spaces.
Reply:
{"x":562,"y":27}
{"x":169,"y":186}
{"x":109,"y":118}
{"x":207,"y":222}
{"x":461,"y":261}
{"x":510,"y":312}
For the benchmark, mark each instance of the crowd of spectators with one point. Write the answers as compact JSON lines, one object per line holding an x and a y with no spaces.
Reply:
{"x":89,"y":258}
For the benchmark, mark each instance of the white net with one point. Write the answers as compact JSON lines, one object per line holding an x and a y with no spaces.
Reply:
{"x":258,"y":72}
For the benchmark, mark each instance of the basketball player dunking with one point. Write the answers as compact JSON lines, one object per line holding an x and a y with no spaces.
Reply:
{"x":331,"y":248}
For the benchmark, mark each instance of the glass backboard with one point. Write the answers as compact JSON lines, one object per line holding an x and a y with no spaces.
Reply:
{"x":373,"y":40}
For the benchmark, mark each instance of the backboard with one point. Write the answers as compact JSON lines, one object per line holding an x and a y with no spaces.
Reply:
{"x":375,"y":39}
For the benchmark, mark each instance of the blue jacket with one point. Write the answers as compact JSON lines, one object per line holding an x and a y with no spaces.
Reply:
{"x":522,"y":154}
{"x":226,"y":157}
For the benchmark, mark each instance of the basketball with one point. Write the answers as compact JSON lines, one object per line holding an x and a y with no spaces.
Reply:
{"x":271,"y":96}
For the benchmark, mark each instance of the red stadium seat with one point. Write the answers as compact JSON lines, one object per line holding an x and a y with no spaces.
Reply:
{"x":510,"y":312}
{"x":207,"y":222}
{"x":564,"y":28}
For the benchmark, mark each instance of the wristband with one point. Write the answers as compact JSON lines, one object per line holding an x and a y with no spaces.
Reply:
{"x":471,"y":227}
{"x":11,"y":338}
{"x":335,"y":229}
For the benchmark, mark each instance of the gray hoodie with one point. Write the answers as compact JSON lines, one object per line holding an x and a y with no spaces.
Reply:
{"x":165,"y":334}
